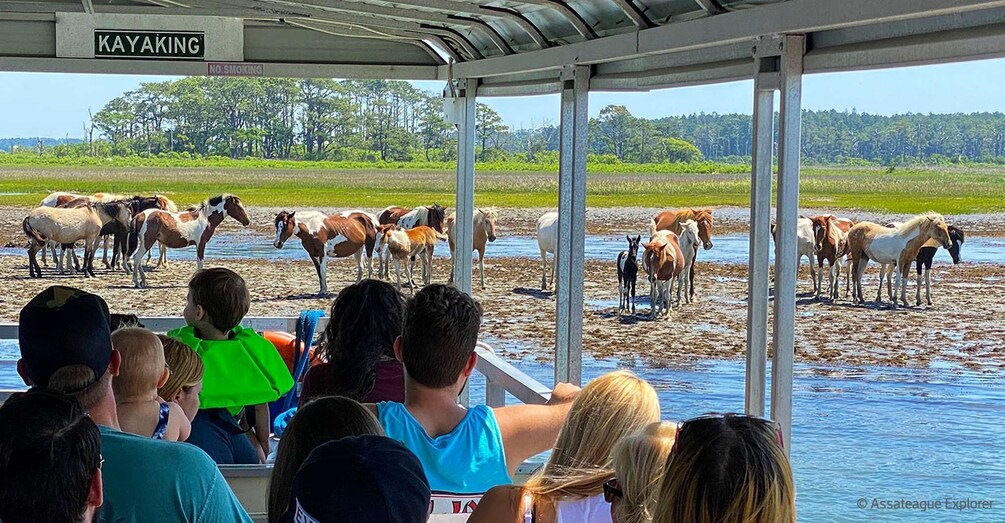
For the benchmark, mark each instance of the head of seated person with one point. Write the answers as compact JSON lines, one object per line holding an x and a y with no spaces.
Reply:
{"x":438,"y":337}
{"x":358,"y":344}
{"x":50,"y":459}
{"x":609,"y":408}
{"x":359,"y":478}
{"x":639,"y":462}
{"x":217,"y":301}
{"x":185,"y":381}
{"x":317,"y":422}
{"x":727,"y":468}
{"x":143,"y":369}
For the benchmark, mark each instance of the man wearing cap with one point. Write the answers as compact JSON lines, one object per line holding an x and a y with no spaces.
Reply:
{"x":370,"y":479}
{"x":66,"y":345}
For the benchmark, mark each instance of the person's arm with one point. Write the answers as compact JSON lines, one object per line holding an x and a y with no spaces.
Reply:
{"x":502,"y":504}
{"x":178,"y":423}
{"x":528,"y":430}
{"x":262,"y":428}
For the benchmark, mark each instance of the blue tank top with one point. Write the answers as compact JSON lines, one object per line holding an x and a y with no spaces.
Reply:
{"x":460,"y":465}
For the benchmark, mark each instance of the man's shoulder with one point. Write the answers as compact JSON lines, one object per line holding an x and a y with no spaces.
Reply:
{"x":175,"y":455}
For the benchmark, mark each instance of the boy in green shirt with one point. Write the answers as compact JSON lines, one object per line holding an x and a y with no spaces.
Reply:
{"x":243,"y":371}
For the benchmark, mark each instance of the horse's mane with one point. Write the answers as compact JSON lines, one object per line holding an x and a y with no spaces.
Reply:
{"x":698,"y":214}
{"x":918,"y":220}
{"x":489,"y":212}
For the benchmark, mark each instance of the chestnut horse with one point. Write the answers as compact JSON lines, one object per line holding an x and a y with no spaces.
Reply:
{"x":830,"y":243}
{"x":673,"y":220}
{"x":406,"y":244}
{"x":872,"y":241}
{"x":431,"y":216}
{"x":177,"y":230}
{"x":322,"y":235}
{"x":663,"y":262}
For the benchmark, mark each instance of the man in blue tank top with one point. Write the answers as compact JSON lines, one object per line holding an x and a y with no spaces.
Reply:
{"x":464,"y":452}
{"x":66,"y":346}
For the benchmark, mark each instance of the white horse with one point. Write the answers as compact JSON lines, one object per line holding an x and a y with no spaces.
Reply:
{"x":484,"y":231}
{"x":547,"y":241}
{"x":804,"y":246}
{"x":689,"y":244}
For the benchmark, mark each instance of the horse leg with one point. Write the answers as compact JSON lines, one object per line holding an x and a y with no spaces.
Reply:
{"x":162,"y":256}
{"x":481,"y":267}
{"x":879,"y":292}
{"x":544,"y":270}
{"x":690,"y":278}
{"x":323,"y":274}
{"x":200,"y":253}
{"x":359,"y":264}
{"x":427,"y":267}
{"x":104,"y":253}
{"x":633,"y":296}
{"x":928,"y":287}
{"x":138,"y":263}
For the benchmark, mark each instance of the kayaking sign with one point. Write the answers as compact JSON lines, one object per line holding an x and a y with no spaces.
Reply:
{"x":173,"y":45}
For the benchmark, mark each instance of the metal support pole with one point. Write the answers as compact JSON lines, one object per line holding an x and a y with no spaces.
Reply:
{"x":570,"y":255}
{"x":465,"y":204}
{"x":786,"y":263}
{"x":765,"y":83}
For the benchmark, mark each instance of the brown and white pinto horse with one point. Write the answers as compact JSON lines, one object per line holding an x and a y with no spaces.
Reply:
{"x":322,"y":235}
{"x":177,"y":230}
{"x":830,"y":243}
{"x":663,"y":261}
{"x":673,"y":221}
{"x":406,"y":244}
{"x":433,"y":216}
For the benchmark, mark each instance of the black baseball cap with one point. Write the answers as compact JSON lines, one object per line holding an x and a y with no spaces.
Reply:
{"x":359,"y":478}
{"x":63,"y":326}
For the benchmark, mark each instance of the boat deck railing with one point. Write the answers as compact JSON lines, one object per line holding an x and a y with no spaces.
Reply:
{"x":251,"y":482}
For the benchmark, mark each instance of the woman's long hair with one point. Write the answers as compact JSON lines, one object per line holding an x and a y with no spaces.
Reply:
{"x":319,"y":421}
{"x":639,"y":461}
{"x":727,"y":469}
{"x":185,"y":366}
{"x":365,"y":320}
{"x":609,"y":408}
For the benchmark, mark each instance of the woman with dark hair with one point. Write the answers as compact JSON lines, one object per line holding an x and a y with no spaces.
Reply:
{"x":358,"y":347}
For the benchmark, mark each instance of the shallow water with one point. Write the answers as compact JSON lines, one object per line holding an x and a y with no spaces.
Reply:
{"x":858,"y":432}
{"x":728,"y":248}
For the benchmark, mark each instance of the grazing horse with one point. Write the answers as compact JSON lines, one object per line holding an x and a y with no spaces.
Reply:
{"x":547,"y":241}
{"x":66,"y":226}
{"x":628,"y":271}
{"x":689,"y":242}
{"x":177,"y":230}
{"x":871,"y":241}
{"x":336,"y":235}
{"x":431,"y":216}
{"x":663,"y":262}
{"x":830,"y":243}
{"x":804,"y":247}
{"x":406,"y":244}
{"x":927,"y":253}
{"x":484,"y":231}
{"x":672,"y":220}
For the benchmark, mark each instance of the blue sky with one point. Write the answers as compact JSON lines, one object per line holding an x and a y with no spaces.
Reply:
{"x":55,"y":105}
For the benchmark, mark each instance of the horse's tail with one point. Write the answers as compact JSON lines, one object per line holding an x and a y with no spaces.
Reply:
{"x":31,"y":232}
{"x":133,"y":241}
{"x":440,"y":236}
{"x":652,"y":227}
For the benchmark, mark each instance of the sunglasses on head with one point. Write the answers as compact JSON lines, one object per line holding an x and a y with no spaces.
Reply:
{"x":718,"y":416}
{"x":612,"y":490}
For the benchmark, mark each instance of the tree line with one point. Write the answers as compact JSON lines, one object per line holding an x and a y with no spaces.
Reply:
{"x":394,"y":121}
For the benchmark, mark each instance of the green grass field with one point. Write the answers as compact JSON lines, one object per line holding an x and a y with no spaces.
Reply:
{"x":952,"y":190}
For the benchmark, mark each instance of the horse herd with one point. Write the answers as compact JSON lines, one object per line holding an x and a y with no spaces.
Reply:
{"x":138,"y":223}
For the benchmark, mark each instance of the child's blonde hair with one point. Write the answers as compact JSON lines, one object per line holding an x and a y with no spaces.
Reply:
{"x":185,"y":365}
{"x":143,"y":365}
{"x":639,"y":462}
{"x":609,"y":408}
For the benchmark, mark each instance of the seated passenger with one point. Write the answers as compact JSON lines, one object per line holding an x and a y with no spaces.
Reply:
{"x":727,"y":469}
{"x":185,"y":382}
{"x":463,"y":451}
{"x":66,"y":346}
{"x":240,"y":369}
{"x":359,"y":478}
{"x":358,"y":347}
{"x":570,"y":486}
{"x":50,"y":459}
{"x":318,"y":421}
{"x":639,"y":462}
{"x":141,"y":411}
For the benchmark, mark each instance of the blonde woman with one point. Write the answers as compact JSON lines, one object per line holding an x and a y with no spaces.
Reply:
{"x":185,"y":382}
{"x":569,"y":488}
{"x":727,"y":469}
{"x":639,"y":461}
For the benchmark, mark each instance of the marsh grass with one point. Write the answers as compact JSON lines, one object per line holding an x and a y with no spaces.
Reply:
{"x":947,"y":190}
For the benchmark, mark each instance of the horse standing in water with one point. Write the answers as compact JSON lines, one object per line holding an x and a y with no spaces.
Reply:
{"x":68,"y":225}
{"x":484,"y":231}
{"x":830,"y":244}
{"x":804,"y":247}
{"x":432,"y":216}
{"x":927,"y":253}
{"x":872,"y":241}
{"x":663,"y":261}
{"x":689,"y":242}
{"x":547,"y":241}
{"x":628,"y":271}
{"x":177,"y":230}
{"x":322,"y":235}
{"x":673,"y":220}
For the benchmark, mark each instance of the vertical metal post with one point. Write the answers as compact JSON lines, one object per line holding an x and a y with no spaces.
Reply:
{"x":570,"y":255}
{"x":786,"y":263}
{"x":765,"y":83}
{"x":465,"y":203}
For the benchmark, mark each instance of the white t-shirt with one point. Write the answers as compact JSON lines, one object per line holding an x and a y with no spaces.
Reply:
{"x":586,"y":510}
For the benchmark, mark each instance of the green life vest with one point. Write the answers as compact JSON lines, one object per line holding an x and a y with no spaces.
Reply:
{"x":244,"y":370}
